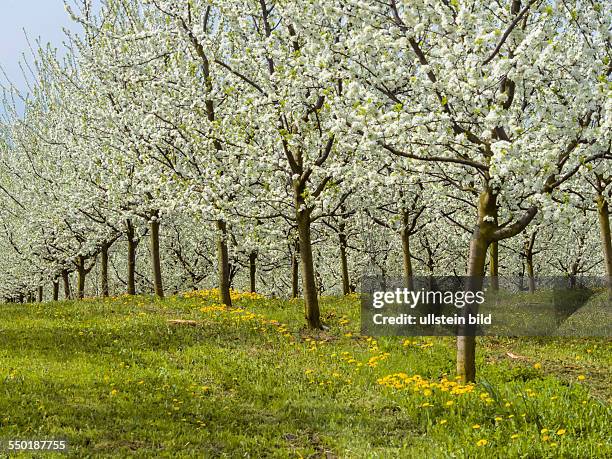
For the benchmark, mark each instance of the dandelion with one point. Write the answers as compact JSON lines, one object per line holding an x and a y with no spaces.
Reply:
{"x":561,"y":432}
{"x":537,"y":366}
{"x":581,"y":377}
{"x":482,"y":442}
{"x":476,"y":426}
{"x":450,"y":403}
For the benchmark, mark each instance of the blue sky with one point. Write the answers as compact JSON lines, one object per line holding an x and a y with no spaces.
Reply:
{"x":44,"y":19}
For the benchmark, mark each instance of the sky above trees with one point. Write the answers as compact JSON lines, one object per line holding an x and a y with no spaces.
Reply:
{"x":29,"y":20}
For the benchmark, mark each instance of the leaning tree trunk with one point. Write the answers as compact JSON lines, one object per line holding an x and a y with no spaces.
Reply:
{"x":603,"y":212}
{"x":131,"y":258}
{"x":81,"y":273}
{"x":346,"y":282}
{"x":56,"y":290}
{"x":66,"y":281}
{"x":295,"y":281}
{"x":253,"y":270}
{"x":405,"y":235}
{"x":40,"y":293}
{"x":223,"y":263}
{"x":104,"y":270}
{"x":155,"y":258}
{"x":311,"y":300}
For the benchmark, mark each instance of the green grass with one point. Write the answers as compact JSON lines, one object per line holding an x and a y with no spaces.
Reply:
{"x":116,"y":378}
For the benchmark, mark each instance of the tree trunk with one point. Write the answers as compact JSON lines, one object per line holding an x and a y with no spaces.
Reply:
{"x":252,"y":270}
{"x":481,"y":238}
{"x":405,"y":235}
{"x":494,"y":265}
{"x":66,"y":280}
{"x":529,"y":253}
{"x":530,"y":272}
{"x":346,"y":282}
{"x":104,"y":270}
{"x":156,"y":259}
{"x":466,"y":345}
{"x":311,"y":300}
{"x":40,"y":293}
{"x":295,"y":282}
{"x":603,"y":212}
{"x":223,"y":264}
{"x":56,"y":290}
{"x":81,"y":273}
{"x":131,"y":259}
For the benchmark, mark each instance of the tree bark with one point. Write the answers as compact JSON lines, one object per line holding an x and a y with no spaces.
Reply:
{"x":481,"y":238}
{"x":295,"y":281}
{"x":81,"y":273}
{"x":346,"y":282}
{"x":223,"y":264}
{"x":466,"y":345}
{"x":253,"y":270}
{"x":405,"y":235}
{"x":40,"y":293}
{"x":309,"y":285}
{"x":66,"y":280}
{"x":603,"y":212}
{"x":156,"y":258}
{"x":131,"y":258}
{"x":530,"y":272}
{"x":529,"y":253}
{"x":494,"y":265}
{"x":56,"y":290}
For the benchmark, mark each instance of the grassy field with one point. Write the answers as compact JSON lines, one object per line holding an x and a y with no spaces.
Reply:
{"x":118,"y":377}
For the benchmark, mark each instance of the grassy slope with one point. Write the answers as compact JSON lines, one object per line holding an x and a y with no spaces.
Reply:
{"x":114,"y":377}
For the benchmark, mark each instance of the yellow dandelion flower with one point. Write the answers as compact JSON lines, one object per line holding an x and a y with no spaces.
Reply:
{"x":482,"y":442}
{"x":581,"y":377}
{"x":561,"y":432}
